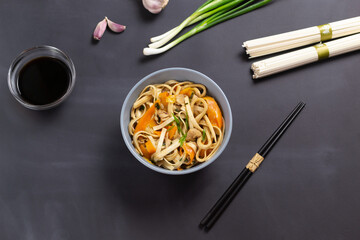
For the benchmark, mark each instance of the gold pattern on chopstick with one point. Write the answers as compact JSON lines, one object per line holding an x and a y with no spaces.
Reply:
{"x":322,"y":51}
{"x":254,"y":162}
{"x":325,"y":32}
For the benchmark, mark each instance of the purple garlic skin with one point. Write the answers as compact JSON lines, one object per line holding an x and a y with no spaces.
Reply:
{"x":115,"y":27}
{"x":155,"y":6}
{"x":100,"y":29}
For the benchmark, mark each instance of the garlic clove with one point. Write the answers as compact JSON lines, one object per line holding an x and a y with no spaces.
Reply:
{"x":115,"y":27}
{"x":100,"y":29}
{"x":155,"y":6}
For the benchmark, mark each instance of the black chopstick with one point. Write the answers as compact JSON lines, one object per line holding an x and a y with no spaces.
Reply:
{"x":209,"y":220}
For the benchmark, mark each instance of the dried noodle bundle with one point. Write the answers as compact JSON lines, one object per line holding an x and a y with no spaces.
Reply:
{"x":281,"y":42}
{"x":304,"y":56}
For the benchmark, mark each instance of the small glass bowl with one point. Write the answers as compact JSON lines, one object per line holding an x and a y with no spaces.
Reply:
{"x":27,"y":56}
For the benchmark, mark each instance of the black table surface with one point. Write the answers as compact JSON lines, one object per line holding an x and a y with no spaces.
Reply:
{"x":66,"y":173}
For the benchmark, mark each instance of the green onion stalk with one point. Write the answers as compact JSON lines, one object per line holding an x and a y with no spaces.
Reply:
{"x":216,"y":4}
{"x":212,"y":13}
{"x":198,"y":19}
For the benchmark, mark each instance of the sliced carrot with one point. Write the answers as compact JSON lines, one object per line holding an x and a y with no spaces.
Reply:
{"x":172,"y":132}
{"x":187,"y":91}
{"x":147,"y":119}
{"x":145,"y":153}
{"x":150,"y":147}
{"x":190,"y":152}
{"x":202,"y":153}
{"x":214,"y":112}
{"x":147,"y":149}
{"x":171,"y":99}
{"x":157,"y":133}
{"x":163,"y":96}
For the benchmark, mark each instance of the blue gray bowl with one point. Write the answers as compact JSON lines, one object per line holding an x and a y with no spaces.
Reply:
{"x":179,"y":74}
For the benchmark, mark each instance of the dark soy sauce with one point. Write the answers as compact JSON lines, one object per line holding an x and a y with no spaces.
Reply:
{"x":43,"y":80}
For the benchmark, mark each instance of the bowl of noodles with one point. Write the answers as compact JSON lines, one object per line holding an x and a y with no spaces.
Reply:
{"x":176,"y":121}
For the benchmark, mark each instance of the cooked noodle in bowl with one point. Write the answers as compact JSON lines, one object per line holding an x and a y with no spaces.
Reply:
{"x":176,"y":125}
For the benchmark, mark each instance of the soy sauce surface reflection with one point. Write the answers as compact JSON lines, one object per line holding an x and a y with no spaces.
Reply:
{"x":43,"y":80}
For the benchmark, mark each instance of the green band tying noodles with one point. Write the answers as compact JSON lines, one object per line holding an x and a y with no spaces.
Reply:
{"x":322,"y":51}
{"x":325,"y":32}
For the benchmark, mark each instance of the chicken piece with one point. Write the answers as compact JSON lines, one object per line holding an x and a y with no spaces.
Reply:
{"x":163,"y":115}
{"x":180,"y":99}
{"x":193,"y":134}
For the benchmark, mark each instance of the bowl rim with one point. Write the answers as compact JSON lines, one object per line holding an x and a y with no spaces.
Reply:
{"x":124,"y":129}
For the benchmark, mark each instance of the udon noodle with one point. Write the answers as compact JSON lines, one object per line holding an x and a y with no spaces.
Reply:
{"x":175,"y":125}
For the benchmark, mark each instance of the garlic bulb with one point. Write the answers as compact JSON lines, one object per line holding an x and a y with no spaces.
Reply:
{"x":155,"y":6}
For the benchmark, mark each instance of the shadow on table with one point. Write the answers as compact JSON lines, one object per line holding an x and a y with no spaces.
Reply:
{"x":44,"y":116}
{"x":145,"y":59}
{"x":141,"y":189}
